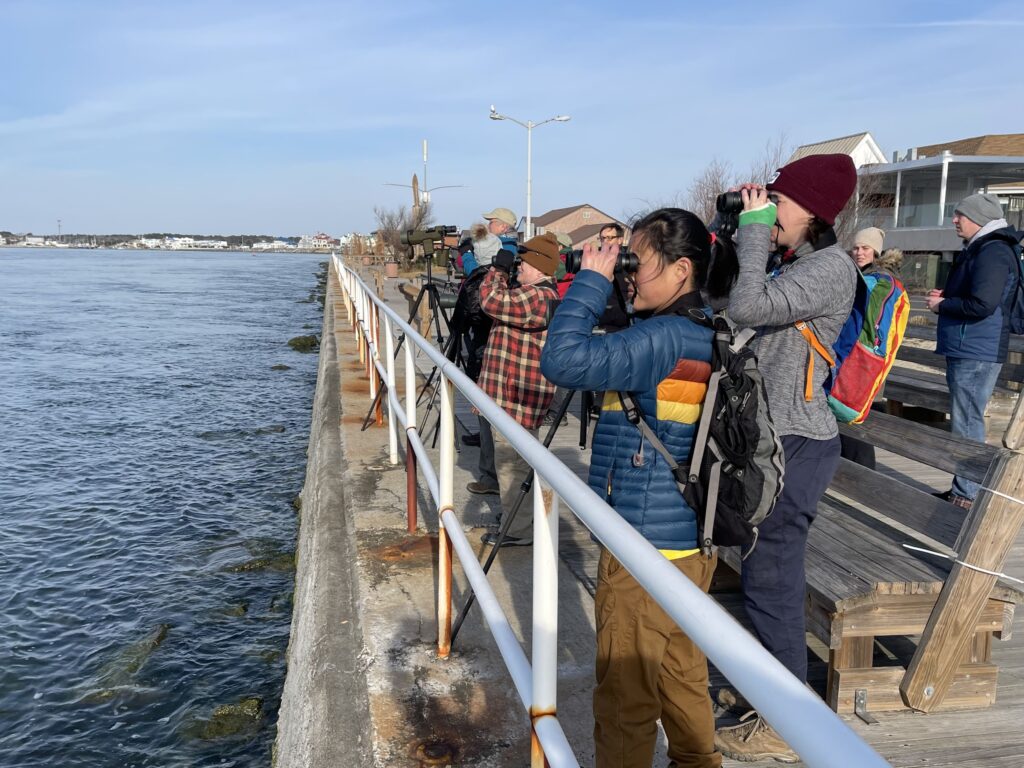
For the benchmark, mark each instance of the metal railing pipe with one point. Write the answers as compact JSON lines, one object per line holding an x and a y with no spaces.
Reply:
{"x":447,"y":502}
{"x":545,"y":602}
{"x":800,"y":717}
{"x":389,"y":352}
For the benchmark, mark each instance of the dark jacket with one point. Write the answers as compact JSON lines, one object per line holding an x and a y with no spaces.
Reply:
{"x":665,"y":361}
{"x":470,"y":324}
{"x":973,"y":315}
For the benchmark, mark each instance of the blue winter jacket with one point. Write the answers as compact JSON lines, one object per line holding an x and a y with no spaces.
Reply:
{"x":665,"y":361}
{"x":974,"y":313}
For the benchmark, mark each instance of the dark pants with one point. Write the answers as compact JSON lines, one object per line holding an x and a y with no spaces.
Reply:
{"x":773,"y":576}
{"x":488,"y":474}
{"x":858,"y":451}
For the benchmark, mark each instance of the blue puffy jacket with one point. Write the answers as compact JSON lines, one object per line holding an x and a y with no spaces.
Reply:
{"x":973,"y":316}
{"x":665,"y":361}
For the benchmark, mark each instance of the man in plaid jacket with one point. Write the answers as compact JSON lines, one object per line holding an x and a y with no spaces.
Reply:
{"x":510,"y":373}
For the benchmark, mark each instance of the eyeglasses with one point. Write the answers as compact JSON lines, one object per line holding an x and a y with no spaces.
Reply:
{"x":606,"y":238}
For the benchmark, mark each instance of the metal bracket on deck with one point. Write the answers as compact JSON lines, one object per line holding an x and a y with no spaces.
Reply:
{"x":860,"y":706}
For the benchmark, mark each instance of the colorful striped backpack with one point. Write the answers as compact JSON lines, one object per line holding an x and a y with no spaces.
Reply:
{"x":866,"y":347}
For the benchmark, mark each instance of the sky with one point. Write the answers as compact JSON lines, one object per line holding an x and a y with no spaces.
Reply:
{"x":289,"y":118}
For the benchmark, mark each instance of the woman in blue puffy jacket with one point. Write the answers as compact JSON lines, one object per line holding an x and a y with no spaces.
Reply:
{"x":646,"y":667}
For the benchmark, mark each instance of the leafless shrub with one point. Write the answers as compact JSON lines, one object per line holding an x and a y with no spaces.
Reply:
{"x":392,"y":222}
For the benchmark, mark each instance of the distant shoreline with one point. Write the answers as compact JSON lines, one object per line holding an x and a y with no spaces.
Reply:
{"x":164,"y":250}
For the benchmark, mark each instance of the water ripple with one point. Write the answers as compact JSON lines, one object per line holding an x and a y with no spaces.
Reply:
{"x":148,"y":451}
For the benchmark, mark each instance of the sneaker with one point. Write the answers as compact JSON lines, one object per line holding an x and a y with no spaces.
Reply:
{"x":944,"y":495}
{"x":491,"y":537}
{"x":472,"y":441}
{"x":753,"y":739}
{"x":483,"y":489}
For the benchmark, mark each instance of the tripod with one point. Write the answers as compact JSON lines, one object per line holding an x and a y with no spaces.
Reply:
{"x":524,"y":489}
{"x":437,"y":313}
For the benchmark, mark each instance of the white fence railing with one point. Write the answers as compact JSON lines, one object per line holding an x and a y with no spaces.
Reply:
{"x":817,"y":734}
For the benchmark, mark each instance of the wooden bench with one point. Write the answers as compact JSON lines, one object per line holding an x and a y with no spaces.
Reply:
{"x":927,"y":388}
{"x":864,"y":586}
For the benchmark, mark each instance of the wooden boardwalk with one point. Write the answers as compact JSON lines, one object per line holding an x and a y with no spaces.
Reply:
{"x":965,"y":739}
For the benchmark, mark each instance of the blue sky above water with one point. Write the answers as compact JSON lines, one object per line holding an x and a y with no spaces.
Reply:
{"x":228,"y":117}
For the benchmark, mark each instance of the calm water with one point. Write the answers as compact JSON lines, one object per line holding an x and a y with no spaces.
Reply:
{"x":147,"y":449}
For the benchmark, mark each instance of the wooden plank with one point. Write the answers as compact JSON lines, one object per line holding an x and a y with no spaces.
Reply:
{"x":1013,"y":437}
{"x":973,"y":687}
{"x":937,"y":519}
{"x":927,"y":445}
{"x":991,"y":528}
{"x":891,"y":615}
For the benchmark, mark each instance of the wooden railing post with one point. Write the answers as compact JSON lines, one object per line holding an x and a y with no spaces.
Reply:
{"x":985,"y":540}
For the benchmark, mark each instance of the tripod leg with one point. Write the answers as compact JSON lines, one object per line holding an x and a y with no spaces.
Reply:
{"x":506,"y":522}
{"x":370,"y":414}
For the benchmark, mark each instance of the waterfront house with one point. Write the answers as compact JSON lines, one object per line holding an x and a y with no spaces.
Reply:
{"x":582,"y":223}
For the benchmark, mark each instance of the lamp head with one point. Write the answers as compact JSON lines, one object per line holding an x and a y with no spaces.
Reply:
{"x":562,"y":118}
{"x":494,"y":114}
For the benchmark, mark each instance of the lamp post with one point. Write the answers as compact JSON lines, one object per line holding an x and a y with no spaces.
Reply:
{"x":529,"y":125}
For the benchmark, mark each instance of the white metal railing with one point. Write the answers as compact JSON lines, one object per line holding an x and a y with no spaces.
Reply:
{"x":817,"y":734}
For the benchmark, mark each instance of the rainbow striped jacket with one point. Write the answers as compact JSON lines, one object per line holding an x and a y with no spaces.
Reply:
{"x":665,"y":361}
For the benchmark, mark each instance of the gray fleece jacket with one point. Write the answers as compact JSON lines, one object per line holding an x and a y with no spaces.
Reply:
{"x":815,"y":286}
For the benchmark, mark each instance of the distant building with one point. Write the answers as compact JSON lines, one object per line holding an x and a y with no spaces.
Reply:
{"x":913,"y":197}
{"x":582,"y":223}
{"x":318,"y":242}
{"x":861,"y":147}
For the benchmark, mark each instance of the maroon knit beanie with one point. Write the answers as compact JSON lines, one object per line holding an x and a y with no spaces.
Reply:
{"x":820,"y":183}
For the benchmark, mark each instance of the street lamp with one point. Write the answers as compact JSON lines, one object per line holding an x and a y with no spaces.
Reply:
{"x":529,"y":125}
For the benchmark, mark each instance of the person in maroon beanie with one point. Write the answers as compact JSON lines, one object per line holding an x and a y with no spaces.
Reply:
{"x":787,"y":225}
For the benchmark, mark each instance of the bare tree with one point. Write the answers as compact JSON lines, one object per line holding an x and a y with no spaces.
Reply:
{"x":392,"y":222}
{"x":713,"y":179}
{"x":776,"y":152}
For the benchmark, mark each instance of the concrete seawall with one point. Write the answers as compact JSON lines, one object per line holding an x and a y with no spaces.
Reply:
{"x":324,"y":705}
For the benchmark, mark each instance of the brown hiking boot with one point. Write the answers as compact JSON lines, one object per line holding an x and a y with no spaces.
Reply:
{"x":753,"y":739}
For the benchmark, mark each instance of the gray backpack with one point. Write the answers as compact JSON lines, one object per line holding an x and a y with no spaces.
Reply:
{"x":736,"y":464}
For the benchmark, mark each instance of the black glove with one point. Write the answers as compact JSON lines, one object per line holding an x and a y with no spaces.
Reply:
{"x":504,"y":260}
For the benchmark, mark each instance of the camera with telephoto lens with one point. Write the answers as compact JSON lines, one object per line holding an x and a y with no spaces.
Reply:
{"x":420,"y":236}
{"x":627,"y":261}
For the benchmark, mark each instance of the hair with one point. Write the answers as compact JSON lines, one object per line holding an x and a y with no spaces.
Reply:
{"x":817,"y":227}
{"x":619,"y":231}
{"x":674,"y":234}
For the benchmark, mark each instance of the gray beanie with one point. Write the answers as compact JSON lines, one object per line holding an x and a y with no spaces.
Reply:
{"x":980,"y":208}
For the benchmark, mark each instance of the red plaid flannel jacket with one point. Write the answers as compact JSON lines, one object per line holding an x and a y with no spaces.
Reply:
{"x":510,"y":373}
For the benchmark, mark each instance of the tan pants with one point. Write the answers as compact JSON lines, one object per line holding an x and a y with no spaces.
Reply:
{"x":646,"y":669}
{"x":512,"y":469}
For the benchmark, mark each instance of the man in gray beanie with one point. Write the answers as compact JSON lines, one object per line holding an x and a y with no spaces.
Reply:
{"x":973,"y":327}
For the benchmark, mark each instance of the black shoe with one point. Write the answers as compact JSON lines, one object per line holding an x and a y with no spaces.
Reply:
{"x":944,"y":495}
{"x":471,"y":440}
{"x":491,"y":537}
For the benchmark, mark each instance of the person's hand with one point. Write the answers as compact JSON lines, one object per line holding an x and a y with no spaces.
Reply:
{"x":754,"y":197}
{"x":757,"y":207}
{"x":600,"y":259}
{"x":504,"y":260}
{"x":749,"y":185}
{"x":933,"y":299}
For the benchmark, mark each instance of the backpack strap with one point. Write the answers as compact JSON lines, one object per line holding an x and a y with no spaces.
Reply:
{"x":816,"y":346}
{"x":635,"y":416}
